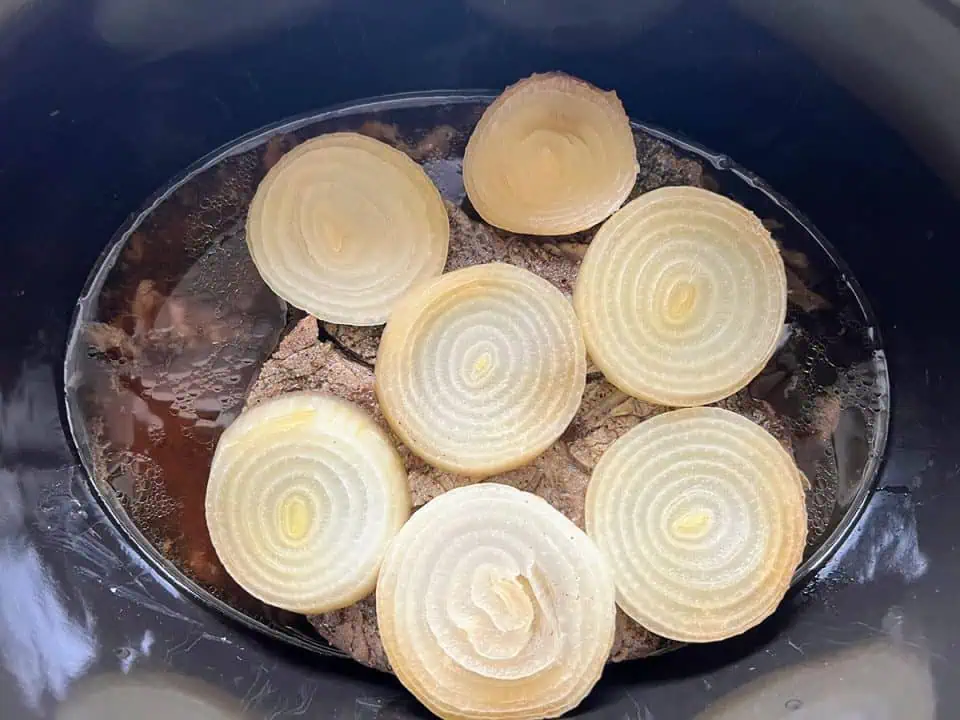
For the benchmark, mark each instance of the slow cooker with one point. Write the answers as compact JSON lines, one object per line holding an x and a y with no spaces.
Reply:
{"x":841,"y":122}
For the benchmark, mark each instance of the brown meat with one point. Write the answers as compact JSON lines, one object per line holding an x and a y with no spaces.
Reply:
{"x":560,"y":475}
{"x":661,"y":166}
{"x":354,"y":630}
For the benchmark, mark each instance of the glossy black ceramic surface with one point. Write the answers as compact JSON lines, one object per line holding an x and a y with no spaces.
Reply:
{"x":851,"y":111}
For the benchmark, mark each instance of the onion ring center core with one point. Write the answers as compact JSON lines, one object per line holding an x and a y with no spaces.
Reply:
{"x":509,"y":610}
{"x":681,"y":302}
{"x":296,"y":517}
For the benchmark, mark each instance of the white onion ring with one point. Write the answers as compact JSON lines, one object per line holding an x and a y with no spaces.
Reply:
{"x":552,"y":155}
{"x":304,"y":495}
{"x":701,"y":514}
{"x":344,"y":225}
{"x":492,"y":604}
{"x":682,"y":296}
{"x":482,"y":369}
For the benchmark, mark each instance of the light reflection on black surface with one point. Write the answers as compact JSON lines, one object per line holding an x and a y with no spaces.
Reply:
{"x":900,"y":56}
{"x":597,"y":24}
{"x":839,"y":686}
{"x":885,"y":542}
{"x":43,"y":646}
{"x":149,"y":696}
{"x":157,"y":29}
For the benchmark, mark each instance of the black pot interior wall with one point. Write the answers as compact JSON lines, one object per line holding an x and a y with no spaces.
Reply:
{"x":101,"y":102}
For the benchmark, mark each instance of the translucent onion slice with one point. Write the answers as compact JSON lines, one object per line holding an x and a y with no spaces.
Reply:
{"x":482,"y":369}
{"x":344,"y":225}
{"x":492,"y":604}
{"x":304,"y":495}
{"x":552,"y":155}
{"x":682,"y":297}
{"x":701,"y":514}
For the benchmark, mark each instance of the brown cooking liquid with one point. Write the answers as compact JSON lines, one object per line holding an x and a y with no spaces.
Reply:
{"x":175,"y":330}
{"x":184,"y":323}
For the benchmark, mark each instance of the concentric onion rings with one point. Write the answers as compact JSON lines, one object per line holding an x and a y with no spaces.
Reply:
{"x":344,"y":225}
{"x":701,"y":514}
{"x":492,"y":604}
{"x":481,"y":370}
{"x":552,"y":155}
{"x":682,"y":296}
{"x":304,"y":495}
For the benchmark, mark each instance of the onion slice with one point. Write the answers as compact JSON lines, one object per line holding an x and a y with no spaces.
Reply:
{"x":344,"y":225}
{"x":482,"y":369}
{"x":492,"y":604}
{"x":304,"y":495}
{"x":552,"y":155}
{"x":682,"y":296}
{"x":701,"y":514}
